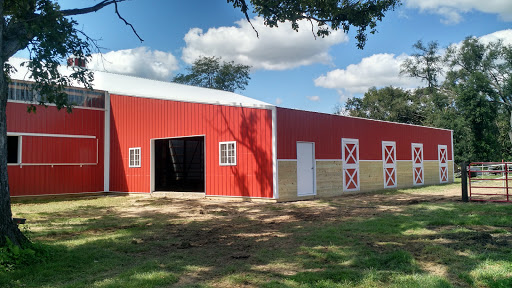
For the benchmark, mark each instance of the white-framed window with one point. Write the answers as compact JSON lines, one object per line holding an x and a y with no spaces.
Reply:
{"x":227,"y":153}
{"x":134,"y":159}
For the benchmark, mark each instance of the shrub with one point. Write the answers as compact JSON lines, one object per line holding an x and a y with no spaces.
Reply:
{"x":12,"y":255}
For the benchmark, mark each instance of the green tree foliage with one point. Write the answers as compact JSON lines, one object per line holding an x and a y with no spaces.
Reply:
{"x":425,"y":63}
{"x":474,"y":98}
{"x":50,"y":35}
{"x":479,"y":75}
{"x":389,"y":104}
{"x":329,"y":14}
{"x":209,"y":72}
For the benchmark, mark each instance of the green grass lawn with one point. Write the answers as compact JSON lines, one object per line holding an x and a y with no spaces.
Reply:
{"x":422,"y":237}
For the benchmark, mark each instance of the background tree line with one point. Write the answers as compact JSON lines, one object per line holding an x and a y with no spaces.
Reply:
{"x":468,"y":88}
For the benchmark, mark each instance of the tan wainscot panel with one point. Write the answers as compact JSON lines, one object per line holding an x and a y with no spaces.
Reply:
{"x":371,"y":176}
{"x":450,"y":171}
{"x":404,"y":173}
{"x":287,"y":180}
{"x":431,"y":169}
{"x":329,"y":179}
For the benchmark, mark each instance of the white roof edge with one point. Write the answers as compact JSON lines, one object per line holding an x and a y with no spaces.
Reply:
{"x":368,"y":119}
{"x":256,"y":106}
{"x":147,"y":88}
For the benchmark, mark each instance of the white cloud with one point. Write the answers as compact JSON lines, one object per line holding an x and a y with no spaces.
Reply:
{"x":377,"y":70}
{"x":452,"y":10}
{"x":504,"y":35}
{"x":141,"y":62}
{"x":313,"y":98}
{"x":382,"y":70}
{"x":279,"y":101}
{"x":277,"y":48}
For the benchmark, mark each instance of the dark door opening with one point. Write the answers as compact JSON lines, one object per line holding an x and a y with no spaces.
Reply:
{"x":179,"y":164}
{"x":13,"y":149}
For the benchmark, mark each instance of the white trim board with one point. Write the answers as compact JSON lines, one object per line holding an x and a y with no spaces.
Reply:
{"x":51,"y":164}
{"x":53,"y":105}
{"x":275,"y":185}
{"x":106,"y":145}
{"x":49,"y":135}
{"x":174,"y":137}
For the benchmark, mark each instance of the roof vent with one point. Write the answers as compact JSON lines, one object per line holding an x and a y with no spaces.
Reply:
{"x":74,"y":61}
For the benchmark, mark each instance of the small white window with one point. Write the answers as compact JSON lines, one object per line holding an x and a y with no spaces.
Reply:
{"x":134,"y":157}
{"x":227,"y":153}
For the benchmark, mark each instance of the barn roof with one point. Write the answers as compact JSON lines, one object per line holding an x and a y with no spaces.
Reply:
{"x":147,"y":88}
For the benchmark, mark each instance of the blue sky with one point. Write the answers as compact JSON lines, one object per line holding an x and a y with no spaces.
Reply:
{"x":290,"y":69}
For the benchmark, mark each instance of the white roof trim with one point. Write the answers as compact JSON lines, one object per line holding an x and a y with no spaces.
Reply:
{"x":147,"y":88}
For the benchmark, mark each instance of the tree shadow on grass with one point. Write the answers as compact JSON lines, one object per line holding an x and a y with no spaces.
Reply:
{"x":201,"y":242}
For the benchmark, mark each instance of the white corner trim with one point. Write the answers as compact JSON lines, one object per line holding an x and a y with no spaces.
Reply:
{"x":274,"y":154}
{"x":106,"y":145}
{"x":453,"y":158}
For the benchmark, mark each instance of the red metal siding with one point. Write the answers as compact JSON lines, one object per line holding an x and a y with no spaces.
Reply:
{"x":45,"y":179}
{"x":135,"y":121}
{"x":327,"y":130}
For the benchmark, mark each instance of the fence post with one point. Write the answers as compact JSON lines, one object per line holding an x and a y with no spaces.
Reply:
{"x":464,"y":181}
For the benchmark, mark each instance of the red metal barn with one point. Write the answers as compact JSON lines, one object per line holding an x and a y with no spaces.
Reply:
{"x":142,"y":136}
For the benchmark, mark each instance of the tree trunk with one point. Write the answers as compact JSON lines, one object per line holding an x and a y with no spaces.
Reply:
{"x":7,"y":227}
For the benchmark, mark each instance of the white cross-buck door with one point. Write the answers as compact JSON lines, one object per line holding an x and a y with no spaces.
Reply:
{"x":305,"y":168}
{"x":442,"y":153}
{"x":350,"y":156}
{"x":389,"y":163}
{"x":417,"y":163}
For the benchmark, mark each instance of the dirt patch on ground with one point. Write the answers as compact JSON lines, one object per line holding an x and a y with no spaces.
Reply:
{"x":238,"y":230}
{"x":233,"y":234}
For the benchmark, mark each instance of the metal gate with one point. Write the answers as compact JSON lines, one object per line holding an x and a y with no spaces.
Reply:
{"x":489,"y":181}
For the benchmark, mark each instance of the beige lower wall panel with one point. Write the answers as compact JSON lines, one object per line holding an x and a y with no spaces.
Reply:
{"x":371,"y":176}
{"x":404,"y":174}
{"x":329,"y":177}
{"x":450,"y":171}
{"x":431,"y":169}
{"x":329,"y":181}
{"x":287,"y":180}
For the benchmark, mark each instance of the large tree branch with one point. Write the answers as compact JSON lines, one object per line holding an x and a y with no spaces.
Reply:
{"x":17,"y":38}
{"x":127,"y":23}
{"x":14,"y":39}
{"x":95,"y":8}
